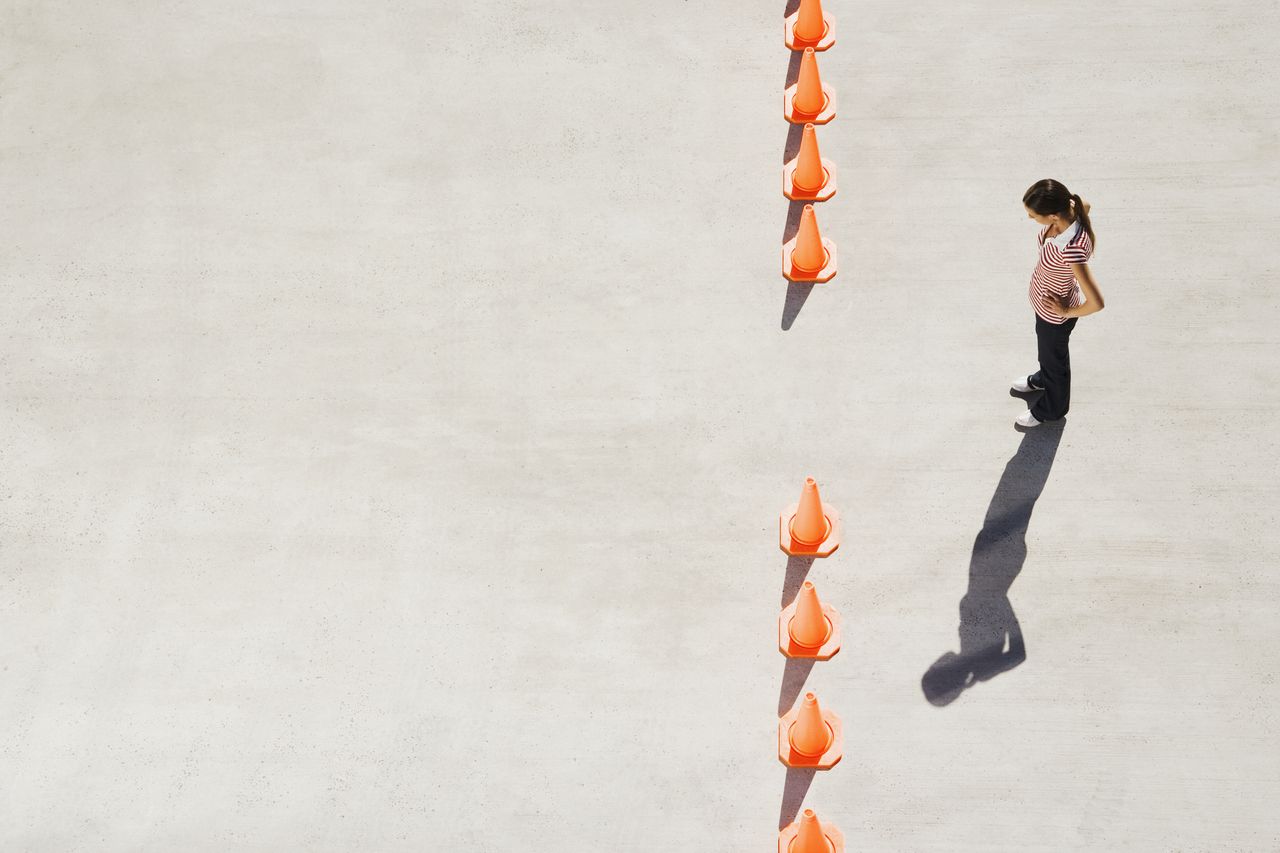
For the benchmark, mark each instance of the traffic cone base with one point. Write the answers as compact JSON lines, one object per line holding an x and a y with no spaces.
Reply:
{"x":793,"y":273}
{"x":791,"y":546}
{"x":835,"y":838}
{"x":826,"y":114}
{"x":827,"y":41}
{"x":788,"y":645}
{"x":831,"y":755}
{"x":822,"y":193}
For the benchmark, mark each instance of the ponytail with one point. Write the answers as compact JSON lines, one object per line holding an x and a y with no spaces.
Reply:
{"x":1084,"y":219}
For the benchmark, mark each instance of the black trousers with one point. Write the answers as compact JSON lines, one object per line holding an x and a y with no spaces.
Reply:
{"x":1054,"y":375}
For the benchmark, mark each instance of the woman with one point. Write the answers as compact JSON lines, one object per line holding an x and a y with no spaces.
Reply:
{"x":1062,"y":290}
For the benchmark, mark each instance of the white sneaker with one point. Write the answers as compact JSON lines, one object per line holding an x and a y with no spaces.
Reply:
{"x":1023,"y":385}
{"x":1026,"y":419}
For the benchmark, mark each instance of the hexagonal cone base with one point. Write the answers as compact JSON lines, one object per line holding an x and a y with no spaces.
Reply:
{"x":822,"y":193}
{"x":825,"y":548}
{"x":835,"y":838}
{"x":791,"y":273}
{"x":827,"y":760}
{"x":827,"y":41}
{"x":828,"y":108}
{"x":792,"y":649}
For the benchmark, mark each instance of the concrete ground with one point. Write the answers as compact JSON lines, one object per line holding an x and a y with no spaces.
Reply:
{"x":398,"y":401}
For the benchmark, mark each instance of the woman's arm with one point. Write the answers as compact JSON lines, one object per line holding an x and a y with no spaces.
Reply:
{"x":1093,"y":296}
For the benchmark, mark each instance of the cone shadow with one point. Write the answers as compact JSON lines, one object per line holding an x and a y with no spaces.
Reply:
{"x":792,"y":226}
{"x":797,"y":569}
{"x":793,"y":792}
{"x":797,"y":293}
{"x":792,"y":7}
{"x":990,"y":637}
{"x":793,"y":68}
{"x":791,"y":150}
{"x":794,"y":675}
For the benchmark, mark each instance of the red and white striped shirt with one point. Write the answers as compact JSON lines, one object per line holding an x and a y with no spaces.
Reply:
{"x":1053,"y":276}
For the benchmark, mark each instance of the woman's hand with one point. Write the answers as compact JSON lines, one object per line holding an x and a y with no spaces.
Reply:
{"x":1091,"y":293}
{"x":1066,"y":310}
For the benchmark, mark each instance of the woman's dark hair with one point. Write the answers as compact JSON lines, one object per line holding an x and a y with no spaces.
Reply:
{"x":1048,"y":197}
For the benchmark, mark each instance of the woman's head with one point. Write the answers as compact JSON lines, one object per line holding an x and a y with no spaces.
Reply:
{"x":1049,"y":202}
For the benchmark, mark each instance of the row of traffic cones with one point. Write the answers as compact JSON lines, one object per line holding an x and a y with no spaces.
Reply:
{"x":809,"y":177}
{"x":809,"y":736}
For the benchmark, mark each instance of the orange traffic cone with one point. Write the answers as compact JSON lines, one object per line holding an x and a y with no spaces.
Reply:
{"x":808,"y":27}
{"x":810,"y":737}
{"x":807,"y":835}
{"x":809,"y":529}
{"x":807,"y":628}
{"x":809,"y":177}
{"x":809,"y":100}
{"x":807,"y":256}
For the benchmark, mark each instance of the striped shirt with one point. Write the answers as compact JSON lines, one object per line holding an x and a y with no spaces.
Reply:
{"x":1053,"y":276}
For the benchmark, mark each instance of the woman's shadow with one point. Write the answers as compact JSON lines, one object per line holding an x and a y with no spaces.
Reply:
{"x":990,"y":638}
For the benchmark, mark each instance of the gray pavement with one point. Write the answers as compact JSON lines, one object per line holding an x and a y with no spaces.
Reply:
{"x":398,"y":401}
